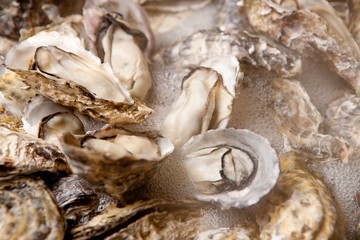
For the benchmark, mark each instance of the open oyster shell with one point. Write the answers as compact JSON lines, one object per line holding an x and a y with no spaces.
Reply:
{"x":205,"y":101}
{"x":245,"y":232}
{"x":232,"y":167}
{"x":88,"y":86}
{"x":309,"y":27}
{"x":299,"y":207}
{"x":299,"y":121}
{"x":24,"y":154}
{"x":118,"y":160}
{"x":29,"y":211}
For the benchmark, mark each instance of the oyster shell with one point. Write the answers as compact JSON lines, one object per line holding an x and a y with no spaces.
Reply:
{"x":70,"y":80}
{"x":354,"y":18}
{"x":152,"y":219}
{"x":14,"y":94}
{"x":29,"y":211}
{"x":299,"y":207}
{"x":24,"y":154}
{"x":232,"y":167}
{"x":343,"y":117}
{"x":205,"y":101}
{"x":249,"y":48}
{"x":174,"y":5}
{"x":311,"y":28}
{"x":75,"y":196}
{"x":236,"y":233}
{"x":116,"y":159}
{"x":299,"y":121}
{"x":121,"y":46}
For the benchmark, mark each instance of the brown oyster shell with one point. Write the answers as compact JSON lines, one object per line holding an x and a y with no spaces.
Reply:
{"x":299,"y":207}
{"x":28,"y":211}
{"x":24,"y":154}
{"x":72,"y":95}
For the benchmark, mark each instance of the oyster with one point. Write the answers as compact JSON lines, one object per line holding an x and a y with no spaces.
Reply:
{"x":88,"y":86}
{"x":299,"y":207}
{"x":249,"y":48}
{"x":116,"y":159}
{"x":14,"y":94}
{"x":152,"y":219}
{"x":24,"y":154}
{"x":205,"y":101}
{"x":299,"y":121}
{"x":94,"y":10}
{"x":75,"y":196}
{"x":232,"y":167}
{"x":29,"y":211}
{"x":343,"y":117}
{"x":121,"y":46}
{"x":311,"y":28}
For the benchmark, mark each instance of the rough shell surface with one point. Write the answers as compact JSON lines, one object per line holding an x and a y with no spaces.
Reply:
{"x":29,"y":211}
{"x":299,"y":121}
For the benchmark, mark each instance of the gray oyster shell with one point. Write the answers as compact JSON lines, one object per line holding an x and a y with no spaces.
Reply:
{"x":249,"y":48}
{"x":29,"y":211}
{"x":115,"y":159}
{"x":75,"y":196}
{"x":299,"y":121}
{"x":299,"y":207}
{"x":25,"y":154}
{"x":311,"y":28}
{"x":232,"y":167}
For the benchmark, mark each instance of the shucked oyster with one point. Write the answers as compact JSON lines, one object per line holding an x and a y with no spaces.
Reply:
{"x":299,"y":121}
{"x":205,"y":101}
{"x":116,"y":159}
{"x":299,"y":207}
{"x":122,"y":47}
{"x":24,"y":154}
{"x":309,"y":27}
{"x":232,"y":167}
{"x":343,"y":118}
{"x":246,"y":47}
{"x":86,"y":85}
{"x":29,"y":211}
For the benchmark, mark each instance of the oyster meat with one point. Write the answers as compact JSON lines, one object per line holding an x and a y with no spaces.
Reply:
{"x":299,"y":207}
{"x":311,"y":28}
{"x":25,"y":154}
{"x":205,"y":101}
{"x":118,"y":160}
{"x":299,"y":121}
{"x":29,"y":211}
{"x":122,"y":47}
{"x":232,"y":167}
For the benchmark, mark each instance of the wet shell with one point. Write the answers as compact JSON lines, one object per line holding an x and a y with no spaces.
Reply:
{"x":116,"y":159}
{"x":234,"y":168}
{"x":311,"y":28}
{"x":237,"y":233}
{"x":29,"y":211}
{"x":299,"y":121}
{"x":24,"y":154}
{"x":299,"y":207}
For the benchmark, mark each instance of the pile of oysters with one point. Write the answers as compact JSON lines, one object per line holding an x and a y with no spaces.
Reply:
{"x":101,"y":99}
